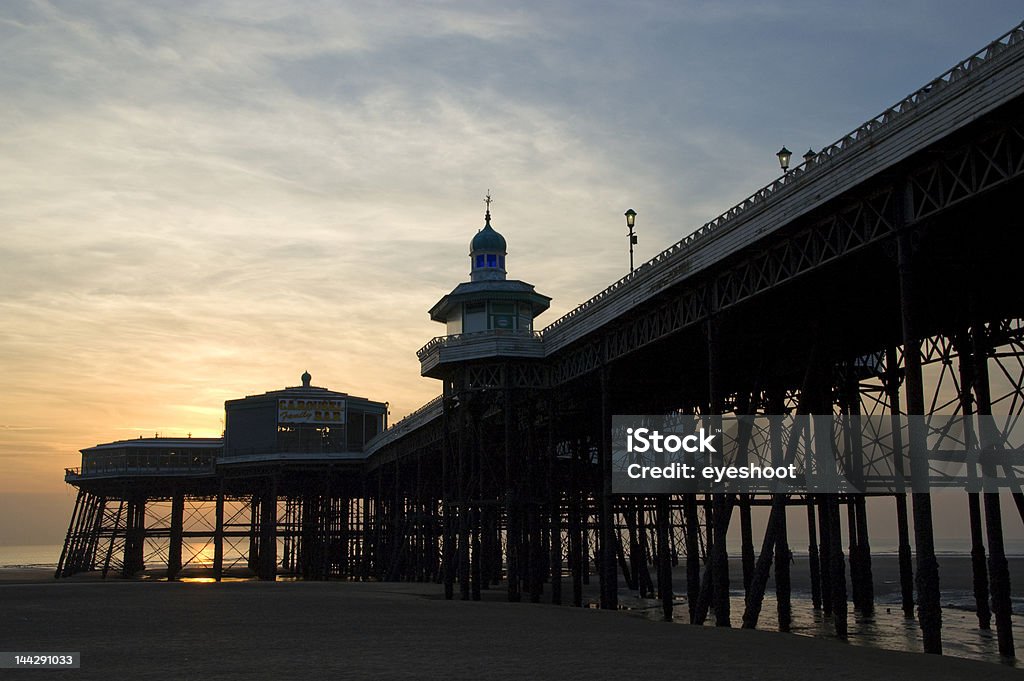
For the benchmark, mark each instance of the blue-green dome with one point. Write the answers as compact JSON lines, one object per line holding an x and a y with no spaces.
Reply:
{"x":487,"y":240}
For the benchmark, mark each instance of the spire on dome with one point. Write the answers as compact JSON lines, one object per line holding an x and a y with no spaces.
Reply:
{"x":487,"y":250}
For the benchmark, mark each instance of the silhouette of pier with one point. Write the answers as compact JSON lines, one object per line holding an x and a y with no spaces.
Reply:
{"x":878,"y":278}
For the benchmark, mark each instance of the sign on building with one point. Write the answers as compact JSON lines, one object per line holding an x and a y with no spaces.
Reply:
{"x":311,"y":411}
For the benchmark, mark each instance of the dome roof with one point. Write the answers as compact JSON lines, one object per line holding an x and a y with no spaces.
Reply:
{"x":487,"y":240}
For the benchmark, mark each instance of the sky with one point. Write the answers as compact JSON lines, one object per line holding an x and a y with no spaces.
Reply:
{"x":202,"y":200}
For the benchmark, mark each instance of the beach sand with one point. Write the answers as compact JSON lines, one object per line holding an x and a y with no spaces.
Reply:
{"x":246,"y":630}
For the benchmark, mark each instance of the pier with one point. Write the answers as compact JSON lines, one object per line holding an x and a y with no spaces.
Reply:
{"x":879,"y":278}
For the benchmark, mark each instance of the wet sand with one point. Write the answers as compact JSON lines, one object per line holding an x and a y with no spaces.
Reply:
{"x":236,"y":630}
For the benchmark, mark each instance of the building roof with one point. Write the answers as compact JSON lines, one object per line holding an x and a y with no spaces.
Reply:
{"x":305,"y":391}
{"x":162,"y":443}
{"x":503,"y":289}
{"x":487,"y":239}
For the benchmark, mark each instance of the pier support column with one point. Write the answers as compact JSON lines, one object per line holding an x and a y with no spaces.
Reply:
{"x":663,"y":512}
{"x":609,"y":573}
{"x":813,"y":561}
{"x":513,"y":508}
{"x":467,"y":450}
{"x":447,"y":474}
{"x":867,"y":585}
{"x":979,"y":568}
{"x":861,"y":580}
{"x":783,"y":588}
{"x":253,"y":559}
{"x":825,"y":553}
{"x":759,"y":578}
{"x":722,"y":504}
{"x":928,"y":597}
{"x":692,"y":554}
{"x":135,"y":536}
{"x":998,"y":567}
{"x":554,"y":509}
{"x":577,"y":554}
{"x":783,"y":555}
{"x":177,"y":522}
{"x":218,"y":535}
{"x":836,"y":565}
{"x":978,"y":562}
{"x":268,"y":533}
{"x":747,"y":542}
{"x":891,"y":380}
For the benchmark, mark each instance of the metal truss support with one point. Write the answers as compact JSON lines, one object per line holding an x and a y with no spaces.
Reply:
{"x":81,"y":542}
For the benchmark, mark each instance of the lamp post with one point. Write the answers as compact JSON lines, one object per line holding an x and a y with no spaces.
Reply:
{"x":630,"y":221}
{"x":784,"y":155}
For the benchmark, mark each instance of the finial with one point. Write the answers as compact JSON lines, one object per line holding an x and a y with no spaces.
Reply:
{"x":487,"y":214}
{"x":306,"y":378}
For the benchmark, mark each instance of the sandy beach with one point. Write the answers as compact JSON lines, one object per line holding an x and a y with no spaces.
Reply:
{"x":236,"y":630}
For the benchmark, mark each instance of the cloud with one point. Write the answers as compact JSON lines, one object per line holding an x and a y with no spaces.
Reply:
{"x":200,"y":201}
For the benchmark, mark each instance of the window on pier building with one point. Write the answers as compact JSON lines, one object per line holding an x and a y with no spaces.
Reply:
{"x":362,"y":427}
{"x":310,"y":438}
{"x":475,"y":318}
{"x":525,"y":317}
{"x":503,"y":316}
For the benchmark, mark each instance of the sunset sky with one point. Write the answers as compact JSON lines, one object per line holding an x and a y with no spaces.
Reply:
{"x":201,"y":200}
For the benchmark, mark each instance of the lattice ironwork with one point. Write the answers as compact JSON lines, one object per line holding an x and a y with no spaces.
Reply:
{"x":988,"y":162}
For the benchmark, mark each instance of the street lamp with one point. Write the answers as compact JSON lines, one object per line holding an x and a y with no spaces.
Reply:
{"x":784,"y":156}
{"x":630,"y":221}
{"x":809,"y":156}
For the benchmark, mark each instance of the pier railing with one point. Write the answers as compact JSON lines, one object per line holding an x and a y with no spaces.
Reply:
{"x":862,"y":138}
{"x":856,"y":139}
{"x":143,"y":465}
{"x":480,"y":344}
{"x":414,"y":420}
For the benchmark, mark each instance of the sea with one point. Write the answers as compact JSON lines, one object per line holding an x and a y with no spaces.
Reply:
{"x":887,"y":628}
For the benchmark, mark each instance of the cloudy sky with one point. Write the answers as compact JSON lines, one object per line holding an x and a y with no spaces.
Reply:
{"x":200,"y":200}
